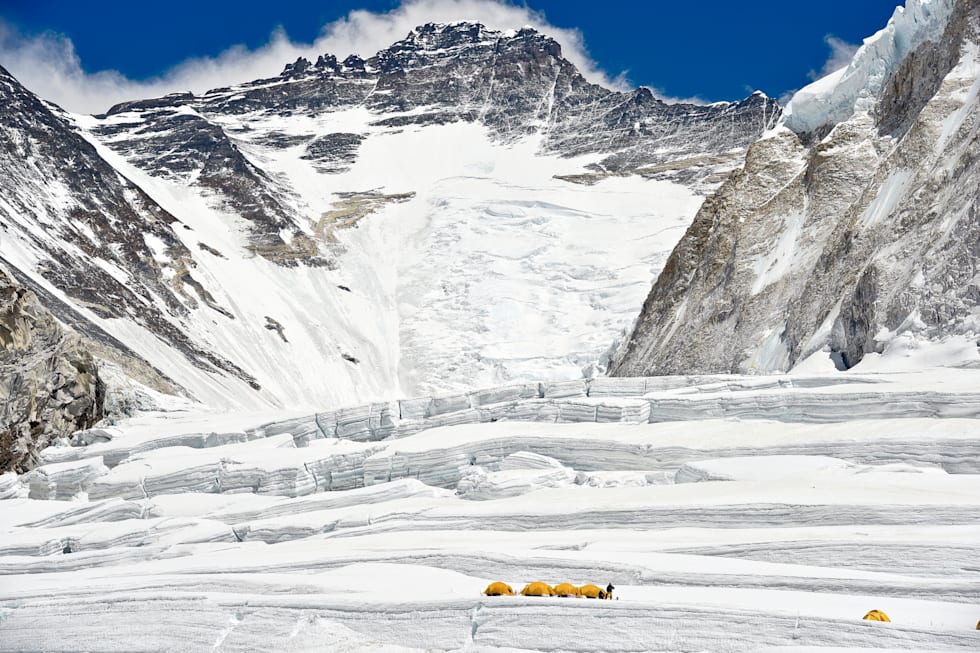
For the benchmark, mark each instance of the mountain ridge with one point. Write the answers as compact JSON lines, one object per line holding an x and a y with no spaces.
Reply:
{"x":321,"y":238}
{"x":867,"y":235}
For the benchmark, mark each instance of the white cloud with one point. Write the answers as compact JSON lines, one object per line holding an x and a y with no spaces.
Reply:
{"x":48,"y":64}
{"x":841,"y":53}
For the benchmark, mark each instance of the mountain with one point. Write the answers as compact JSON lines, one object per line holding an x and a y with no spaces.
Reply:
{"x":852,"y":227}
{"x":515,"y":83}
{"x":88,"y":242}
{"x":462,"y":208}
{"x":328,"y":257}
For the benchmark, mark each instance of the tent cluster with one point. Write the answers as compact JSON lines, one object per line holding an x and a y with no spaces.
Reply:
{"x":544,"y":589}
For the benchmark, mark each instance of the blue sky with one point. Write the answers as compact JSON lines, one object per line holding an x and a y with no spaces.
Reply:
{"x":713,"y":50}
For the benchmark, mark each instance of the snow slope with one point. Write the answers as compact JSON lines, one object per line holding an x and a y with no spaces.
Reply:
{"x":778,"y":521}
{"x":492,"y":271}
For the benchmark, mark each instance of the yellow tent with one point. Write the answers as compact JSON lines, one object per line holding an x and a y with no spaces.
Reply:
{"x":538,"y":589}
{"x":876,"y":615}
{"x":499,"y":589}
{"x":592,"y":592}
{"x":567,"y":589}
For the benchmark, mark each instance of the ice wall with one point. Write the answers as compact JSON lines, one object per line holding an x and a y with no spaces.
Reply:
{"x":836,"y":97}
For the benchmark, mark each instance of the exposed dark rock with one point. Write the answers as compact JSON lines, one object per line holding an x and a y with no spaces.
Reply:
{"x":274,"y":325}
{"x":211,"y":250}
{"x":50,"y":383}
{"x":921,"y":73}
{"x":181,"y":145}
{"x":334,"y":152}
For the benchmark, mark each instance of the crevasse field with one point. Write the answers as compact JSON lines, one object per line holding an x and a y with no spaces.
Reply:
{"x":731,"y":514}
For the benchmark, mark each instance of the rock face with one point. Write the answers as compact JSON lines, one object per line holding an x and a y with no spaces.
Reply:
{"x":871,"y":230}
{"x":94,"y":238}
{"x":49,"y":382}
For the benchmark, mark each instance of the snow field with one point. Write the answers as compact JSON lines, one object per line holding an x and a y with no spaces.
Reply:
{"x":781,"y":528}
{"x":489,"y":270}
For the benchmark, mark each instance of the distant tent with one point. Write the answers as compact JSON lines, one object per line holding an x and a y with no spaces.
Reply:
{"x":877,"y":615}
{"x":567,"y":589}
{"x":592,"y":592}
{"x":499,"y":589}
{"x":538,"y":589}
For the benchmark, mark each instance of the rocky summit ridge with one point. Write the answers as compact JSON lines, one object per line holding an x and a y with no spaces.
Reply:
{"x":517,"y":83}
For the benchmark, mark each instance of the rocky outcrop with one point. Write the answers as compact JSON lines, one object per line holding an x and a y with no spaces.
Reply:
{"x":869,"y":231}
{"x":49,"y":382}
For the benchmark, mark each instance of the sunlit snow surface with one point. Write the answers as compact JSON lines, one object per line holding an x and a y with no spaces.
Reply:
{"x":731,"y":513}
{"x":492,"y":271}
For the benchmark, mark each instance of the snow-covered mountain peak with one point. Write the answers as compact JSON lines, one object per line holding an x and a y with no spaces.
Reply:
{"x":855,"y":87}
{"x":462,"y":208}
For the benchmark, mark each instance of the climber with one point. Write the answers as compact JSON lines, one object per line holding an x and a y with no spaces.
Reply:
{"x":609,"y":590}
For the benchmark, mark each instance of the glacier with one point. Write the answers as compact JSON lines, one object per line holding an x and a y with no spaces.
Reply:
{"x":767,"y":512}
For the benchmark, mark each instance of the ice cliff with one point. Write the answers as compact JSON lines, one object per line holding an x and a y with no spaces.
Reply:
{"x":855,"y":87}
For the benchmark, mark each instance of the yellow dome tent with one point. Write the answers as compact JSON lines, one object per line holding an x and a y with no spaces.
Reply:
{"x":538,"y":589}
{"x":567,"y":589}
{"x":876,"y":615}
{"x":499,"y":589}
{"x":592,"y":592}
